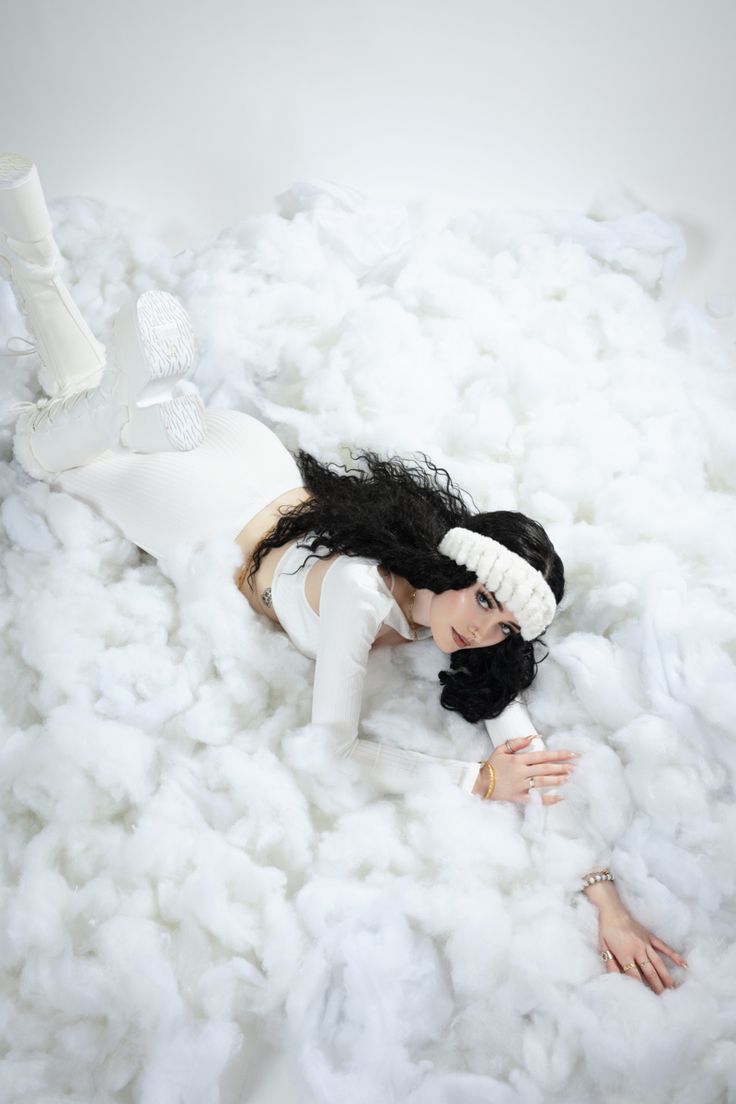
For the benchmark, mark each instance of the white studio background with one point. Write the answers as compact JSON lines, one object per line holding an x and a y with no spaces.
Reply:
{"x":198,"y":115}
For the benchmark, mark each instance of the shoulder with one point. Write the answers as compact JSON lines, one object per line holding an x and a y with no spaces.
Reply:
{"x":355,"y":571}
{"x":357,"y":580}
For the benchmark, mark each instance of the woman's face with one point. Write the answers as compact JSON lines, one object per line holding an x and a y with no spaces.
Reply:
{"x":469,"y":618}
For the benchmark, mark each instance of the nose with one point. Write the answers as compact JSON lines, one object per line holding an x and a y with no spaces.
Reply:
{"x":487,"y":634}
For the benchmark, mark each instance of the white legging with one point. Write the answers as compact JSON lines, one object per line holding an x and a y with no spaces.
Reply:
{"x":160,"y":499}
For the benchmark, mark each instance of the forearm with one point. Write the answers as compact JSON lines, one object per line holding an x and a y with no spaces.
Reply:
{"x":394,"y":770}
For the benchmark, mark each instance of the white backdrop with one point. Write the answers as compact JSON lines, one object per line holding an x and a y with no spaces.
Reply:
{"x":200,"y":114}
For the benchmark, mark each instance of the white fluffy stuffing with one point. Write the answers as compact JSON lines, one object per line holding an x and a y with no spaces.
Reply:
{"x":186,"y":874}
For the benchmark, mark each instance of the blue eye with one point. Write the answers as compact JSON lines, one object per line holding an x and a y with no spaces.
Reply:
{"x":487,"y":603}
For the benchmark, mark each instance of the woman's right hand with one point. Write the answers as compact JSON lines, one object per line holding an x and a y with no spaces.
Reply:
{"x":513,"y":767}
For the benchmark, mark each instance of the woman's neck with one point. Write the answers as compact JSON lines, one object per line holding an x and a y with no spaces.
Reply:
{"x":416,"y":609}
{"x":422,"y":603}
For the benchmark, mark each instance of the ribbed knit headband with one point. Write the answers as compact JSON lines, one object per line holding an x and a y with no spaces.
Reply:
{"x":514,"y":582}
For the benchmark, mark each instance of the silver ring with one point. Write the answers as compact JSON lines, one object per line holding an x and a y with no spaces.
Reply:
{"x":531,"y":783}
{"x":606,"y":956}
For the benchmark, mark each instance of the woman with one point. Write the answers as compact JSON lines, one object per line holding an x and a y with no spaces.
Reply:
{"x":383,"y":554}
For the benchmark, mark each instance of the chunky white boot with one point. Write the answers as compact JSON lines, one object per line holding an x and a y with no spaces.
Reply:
{"x":71,"y":356}
{"x":138,"y":405}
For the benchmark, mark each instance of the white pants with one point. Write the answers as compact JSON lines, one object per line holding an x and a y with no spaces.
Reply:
{"x":159,"y":499}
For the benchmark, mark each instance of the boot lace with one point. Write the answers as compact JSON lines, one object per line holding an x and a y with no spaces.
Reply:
{"x":9,"y":352}
{"x":71,"y":406}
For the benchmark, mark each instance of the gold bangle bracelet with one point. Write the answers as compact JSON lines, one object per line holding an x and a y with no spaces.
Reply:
{"x":492,"y":782}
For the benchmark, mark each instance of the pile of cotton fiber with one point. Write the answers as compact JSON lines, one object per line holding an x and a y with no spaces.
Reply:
{"x":187,"y":877}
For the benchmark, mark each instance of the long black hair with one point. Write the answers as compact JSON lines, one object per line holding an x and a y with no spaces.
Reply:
{"x":396,"y":511}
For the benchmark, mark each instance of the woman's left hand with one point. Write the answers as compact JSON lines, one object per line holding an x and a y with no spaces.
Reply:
{"x":630,"y":942}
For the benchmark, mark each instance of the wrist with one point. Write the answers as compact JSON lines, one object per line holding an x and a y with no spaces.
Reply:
{"x":483,"y":781}
{"x":604,"y":896}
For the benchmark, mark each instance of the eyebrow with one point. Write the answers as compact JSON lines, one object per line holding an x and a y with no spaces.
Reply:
{"x":511,"y":624}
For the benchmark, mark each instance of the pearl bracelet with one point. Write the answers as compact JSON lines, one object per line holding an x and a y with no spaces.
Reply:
{"x":597,"y":876}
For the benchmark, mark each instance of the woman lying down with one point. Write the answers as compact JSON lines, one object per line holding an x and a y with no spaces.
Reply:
{"x":342,"y":560}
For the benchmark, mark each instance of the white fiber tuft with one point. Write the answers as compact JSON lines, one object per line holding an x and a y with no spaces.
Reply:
{"x":191,"y":874}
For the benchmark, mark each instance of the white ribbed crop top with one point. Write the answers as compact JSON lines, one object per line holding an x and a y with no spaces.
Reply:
{"x":296,"y":615}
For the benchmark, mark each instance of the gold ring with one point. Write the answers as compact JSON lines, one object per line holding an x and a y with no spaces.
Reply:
{"x":629,"y":966}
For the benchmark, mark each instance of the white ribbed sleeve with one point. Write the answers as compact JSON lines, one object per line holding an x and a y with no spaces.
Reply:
{"x":352,"y":609}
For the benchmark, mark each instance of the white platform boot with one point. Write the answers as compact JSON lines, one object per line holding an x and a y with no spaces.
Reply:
{"x":71,"y":356}
{"x":138,"y":405}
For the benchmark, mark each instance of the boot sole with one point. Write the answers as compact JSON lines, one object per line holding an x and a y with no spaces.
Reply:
{"x":155,"y":347}
{"x":173,"y":426}
{"x":155,"y":350}
{"x":183,"y":422}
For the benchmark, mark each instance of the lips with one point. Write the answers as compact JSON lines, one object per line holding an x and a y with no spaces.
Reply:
{"x":459,"y":640}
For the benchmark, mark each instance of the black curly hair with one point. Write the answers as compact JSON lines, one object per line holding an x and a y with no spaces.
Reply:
{"x":396,"y":511}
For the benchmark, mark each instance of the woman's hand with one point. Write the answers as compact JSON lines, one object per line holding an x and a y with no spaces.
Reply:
{"x":513,"y":767}
{"x":629,"y":941}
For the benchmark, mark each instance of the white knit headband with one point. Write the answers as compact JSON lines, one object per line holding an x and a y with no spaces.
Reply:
{"x":514,"y":582}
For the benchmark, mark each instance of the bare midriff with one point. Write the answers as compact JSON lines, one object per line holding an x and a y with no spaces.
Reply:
{"x":250,"y":537}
